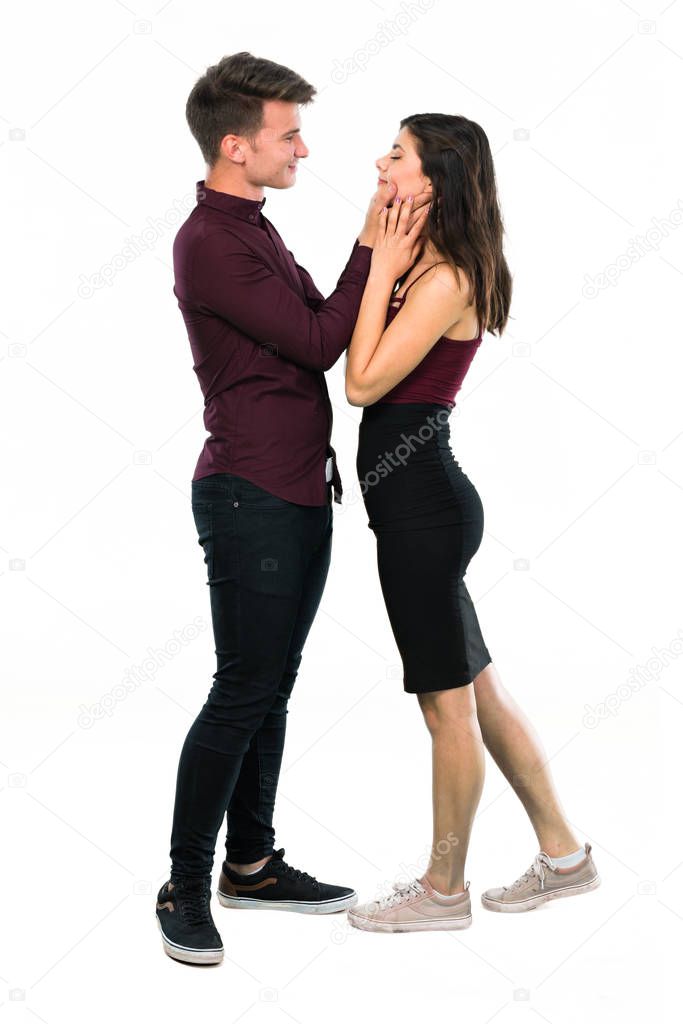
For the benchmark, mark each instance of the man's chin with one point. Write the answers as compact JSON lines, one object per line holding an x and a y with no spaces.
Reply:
{"x":288,"y":181}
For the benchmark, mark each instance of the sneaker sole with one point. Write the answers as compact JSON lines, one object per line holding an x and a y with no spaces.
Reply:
{"x":536,"y":901}
{"x":444,"y":924}
{"x":298,"y":906}
{"x":188,"y":955}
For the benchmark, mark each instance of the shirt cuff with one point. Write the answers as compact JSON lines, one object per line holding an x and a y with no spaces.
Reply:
{"x":358,"y":265}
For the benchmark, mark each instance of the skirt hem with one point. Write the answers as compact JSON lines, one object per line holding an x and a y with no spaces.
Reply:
{"x":447,"y":686}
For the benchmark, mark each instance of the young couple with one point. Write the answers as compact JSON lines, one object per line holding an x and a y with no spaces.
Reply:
{"x":426,"y":277}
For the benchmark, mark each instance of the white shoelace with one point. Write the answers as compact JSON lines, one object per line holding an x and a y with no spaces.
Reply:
{"x":402,"y":891}
{"x":537,"y":868}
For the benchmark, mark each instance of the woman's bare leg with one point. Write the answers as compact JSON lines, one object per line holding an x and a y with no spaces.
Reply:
{"x":517,"y":750}
{"x":457,"y":781}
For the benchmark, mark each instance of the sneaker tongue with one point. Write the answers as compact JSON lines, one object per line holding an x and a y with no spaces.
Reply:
{"x":193,"y":884}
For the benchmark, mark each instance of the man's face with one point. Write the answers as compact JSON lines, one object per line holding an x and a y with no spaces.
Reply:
{"x":402,"y":167}
{"x":278,"y":147}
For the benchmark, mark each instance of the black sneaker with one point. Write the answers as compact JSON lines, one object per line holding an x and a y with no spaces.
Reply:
{"x":279,"y":886}
{"x":185,"y":922}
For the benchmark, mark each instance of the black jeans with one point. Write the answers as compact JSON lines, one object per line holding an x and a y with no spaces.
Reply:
{"x":267,"y":561}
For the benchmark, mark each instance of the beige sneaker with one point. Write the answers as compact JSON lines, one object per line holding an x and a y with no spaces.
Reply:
{"x":543,"y":882}
{"x":414,"y":907}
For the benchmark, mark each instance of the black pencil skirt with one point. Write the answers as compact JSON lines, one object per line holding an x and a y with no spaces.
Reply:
{"x":428,"y":521}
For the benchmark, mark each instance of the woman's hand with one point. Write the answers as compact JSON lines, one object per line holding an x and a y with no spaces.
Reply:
{"x":399,"y":240}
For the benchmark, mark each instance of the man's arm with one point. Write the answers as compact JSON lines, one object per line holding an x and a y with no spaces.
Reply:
{"x":314,"y":297}
{"x":227,"y":279}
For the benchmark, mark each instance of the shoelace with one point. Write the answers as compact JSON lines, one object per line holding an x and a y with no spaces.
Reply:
{"x":292,"y":872}
{"x":193,"y":903}
{"x":401,"y":892}
{"x":537,"y":868}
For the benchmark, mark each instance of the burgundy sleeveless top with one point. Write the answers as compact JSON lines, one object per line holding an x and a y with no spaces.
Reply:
{"x":439,"y":376}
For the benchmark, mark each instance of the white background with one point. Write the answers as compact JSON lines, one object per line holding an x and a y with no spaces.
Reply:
{"x":570,"y":426}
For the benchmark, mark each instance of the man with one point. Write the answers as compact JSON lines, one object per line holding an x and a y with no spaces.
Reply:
{"x":261,"y":336}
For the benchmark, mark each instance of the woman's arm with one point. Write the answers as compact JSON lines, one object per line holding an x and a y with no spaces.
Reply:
{"x":368,"y":330}
{"x":377,"y":359}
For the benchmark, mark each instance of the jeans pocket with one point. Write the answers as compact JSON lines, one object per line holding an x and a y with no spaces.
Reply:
{"x":203,"y":512}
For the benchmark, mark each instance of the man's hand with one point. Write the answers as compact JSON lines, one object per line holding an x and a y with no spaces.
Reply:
{"x":384,"y":196}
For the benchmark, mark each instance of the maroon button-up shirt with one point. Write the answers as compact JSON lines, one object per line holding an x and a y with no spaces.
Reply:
{"x":262,"y":336}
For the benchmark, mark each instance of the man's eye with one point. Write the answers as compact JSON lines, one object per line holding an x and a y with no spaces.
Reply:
{"x":394,"y":158}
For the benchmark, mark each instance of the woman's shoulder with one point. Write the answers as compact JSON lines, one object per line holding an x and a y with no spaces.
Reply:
{"x":431,"y":282}
{"x":445,"y":274}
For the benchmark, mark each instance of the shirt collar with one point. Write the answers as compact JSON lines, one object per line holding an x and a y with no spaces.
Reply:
{"x":238,"y":206}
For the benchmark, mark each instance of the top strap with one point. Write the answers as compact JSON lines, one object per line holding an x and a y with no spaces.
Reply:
{"x":419,"y":276}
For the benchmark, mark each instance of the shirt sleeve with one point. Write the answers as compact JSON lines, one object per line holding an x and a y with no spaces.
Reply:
{"x":230,"y":281}
{"x":314,"y":297}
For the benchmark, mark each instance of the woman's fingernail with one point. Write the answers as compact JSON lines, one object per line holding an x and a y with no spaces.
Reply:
{"x":409,"y":199}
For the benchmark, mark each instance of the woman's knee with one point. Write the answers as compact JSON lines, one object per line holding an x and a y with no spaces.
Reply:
{"x":445,"y":708}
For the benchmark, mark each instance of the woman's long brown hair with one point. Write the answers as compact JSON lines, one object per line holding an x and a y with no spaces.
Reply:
{"x":465,"y":224}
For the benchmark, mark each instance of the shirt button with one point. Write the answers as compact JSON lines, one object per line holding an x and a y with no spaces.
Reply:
{"x":235,"y":504}
{"x":251,"y":216}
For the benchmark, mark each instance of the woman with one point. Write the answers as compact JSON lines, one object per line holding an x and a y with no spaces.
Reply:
{"x":409,"y":354}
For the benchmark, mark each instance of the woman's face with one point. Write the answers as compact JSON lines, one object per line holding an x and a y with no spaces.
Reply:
{"x":402,"y":167}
